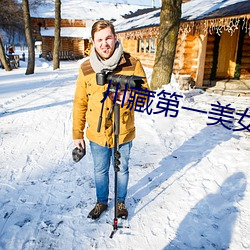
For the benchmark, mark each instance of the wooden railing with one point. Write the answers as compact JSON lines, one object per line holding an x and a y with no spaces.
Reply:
{"x":63,"y":55}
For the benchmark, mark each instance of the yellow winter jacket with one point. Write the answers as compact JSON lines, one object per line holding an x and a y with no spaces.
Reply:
{"x":87,"y":105}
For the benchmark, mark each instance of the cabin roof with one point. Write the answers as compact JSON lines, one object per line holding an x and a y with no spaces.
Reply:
{"x":77,"y":32}
{"x":140,"y":21}
{"x":208,"y":9}
{"x":85,"y":10}
{"x":193,"y":10}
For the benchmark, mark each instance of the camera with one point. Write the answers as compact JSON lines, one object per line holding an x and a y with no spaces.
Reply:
{"x":78,"y":153}
{"x":106,"y":76}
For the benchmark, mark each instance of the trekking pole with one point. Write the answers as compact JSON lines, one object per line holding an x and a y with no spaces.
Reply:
{"x":117,"y":156}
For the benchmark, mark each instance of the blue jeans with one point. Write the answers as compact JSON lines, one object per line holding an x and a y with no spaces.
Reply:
{"x":102,"y":158}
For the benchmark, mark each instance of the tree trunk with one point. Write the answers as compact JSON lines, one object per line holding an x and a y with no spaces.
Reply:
{"x":56,"y":59}
{"x":168,"y":34}
{"x":28,"y":33}
{"x":3,"y":57}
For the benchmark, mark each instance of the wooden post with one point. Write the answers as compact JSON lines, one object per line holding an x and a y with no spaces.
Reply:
{"x":144,"y":45}
{"x":201,"y":60}
{"x":140,"y":41}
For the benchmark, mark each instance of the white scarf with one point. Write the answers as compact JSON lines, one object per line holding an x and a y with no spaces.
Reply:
{"x":98,"y":64}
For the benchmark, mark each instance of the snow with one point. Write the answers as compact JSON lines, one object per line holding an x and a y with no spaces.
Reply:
{"x":156,"y":3}
{"x":86,"y":10}
{"x":192,"y":10}
{"x":189,"y":181}
{"x":196,"y":9}
{"x":84,"y":33}
{"x":145,"y":20}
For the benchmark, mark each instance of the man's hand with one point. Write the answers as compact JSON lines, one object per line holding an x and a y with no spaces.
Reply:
{"x":79,"y":143}
{"x":120,"y":97}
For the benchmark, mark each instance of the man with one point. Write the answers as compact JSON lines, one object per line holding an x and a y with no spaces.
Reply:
{"x":107,"y":54}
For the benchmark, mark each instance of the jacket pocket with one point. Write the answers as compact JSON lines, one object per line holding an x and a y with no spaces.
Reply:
{"x":126,"y":121}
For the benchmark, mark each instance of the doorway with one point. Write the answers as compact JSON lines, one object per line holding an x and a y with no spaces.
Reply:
{"x":227,"y":55}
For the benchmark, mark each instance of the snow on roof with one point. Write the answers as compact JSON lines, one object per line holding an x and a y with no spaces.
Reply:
{"x":192,"y":10}
{"x":145,"y":20}
{"x":85,"y":10}
{"x":80,"y":32}
{"x":197,"y":9}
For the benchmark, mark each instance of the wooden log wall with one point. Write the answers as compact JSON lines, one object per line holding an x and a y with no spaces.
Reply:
{"x":66,"y":44}
{"x":146,"y":59}
{"x":209,"y":57}
{"x":245,"y":60}
{"x":73,"y":45}
{"x":47,"y":45}
{"x":131,"y":46}
{"x":79,"y":46}
{"x":185,"y":59}
{"x":50,"y":22}
{"x":178,"y":61}
{"x":186,"y":55}
{"x":190,"y":56}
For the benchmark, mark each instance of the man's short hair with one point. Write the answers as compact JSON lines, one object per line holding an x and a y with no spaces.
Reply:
{"x":101,"y":24}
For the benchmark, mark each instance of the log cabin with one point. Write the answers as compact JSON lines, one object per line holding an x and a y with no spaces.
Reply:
{"x":74,"y":37}
{"x":213,"y":41}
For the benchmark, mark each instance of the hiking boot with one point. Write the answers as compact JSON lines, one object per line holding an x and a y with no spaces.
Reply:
{"x":122,"y":211}
{"x":97,"y":210}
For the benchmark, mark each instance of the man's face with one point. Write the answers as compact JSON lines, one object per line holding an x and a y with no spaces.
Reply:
{"x":104,"y":42}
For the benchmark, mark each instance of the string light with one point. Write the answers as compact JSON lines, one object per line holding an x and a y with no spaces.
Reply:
{"x":218,"y":25}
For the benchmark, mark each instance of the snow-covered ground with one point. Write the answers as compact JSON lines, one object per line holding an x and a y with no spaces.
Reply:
{"x":189,"y":181}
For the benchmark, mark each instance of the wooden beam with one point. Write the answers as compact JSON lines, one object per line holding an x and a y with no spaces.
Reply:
{"x":201,"y":60}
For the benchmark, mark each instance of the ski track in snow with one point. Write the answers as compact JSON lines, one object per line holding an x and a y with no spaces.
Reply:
{"x":179,"y":189}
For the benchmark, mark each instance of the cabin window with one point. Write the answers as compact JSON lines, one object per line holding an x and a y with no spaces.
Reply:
{"x":138,"y":45}
{"x":146,"y":45}
{"x":152,"y":45}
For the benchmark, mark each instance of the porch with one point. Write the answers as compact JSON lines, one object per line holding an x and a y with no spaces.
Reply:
{"x":231,"y":88}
